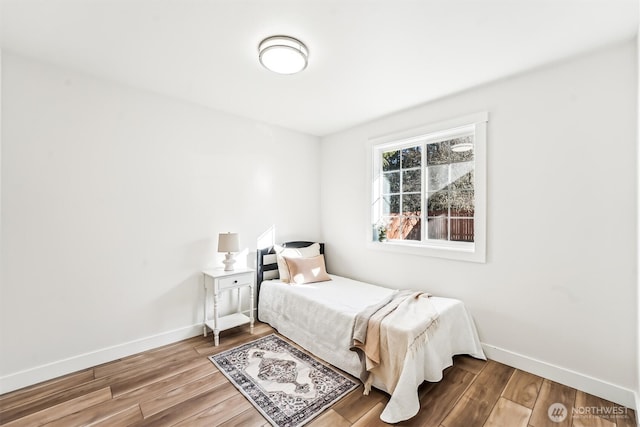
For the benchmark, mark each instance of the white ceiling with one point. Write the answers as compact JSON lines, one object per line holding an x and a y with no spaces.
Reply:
{"x":367,"y":58}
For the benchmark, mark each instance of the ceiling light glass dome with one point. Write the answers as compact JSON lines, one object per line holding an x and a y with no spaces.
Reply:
{"x":283,"y":54}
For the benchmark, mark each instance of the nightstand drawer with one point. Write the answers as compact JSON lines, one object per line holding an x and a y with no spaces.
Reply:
{"x":234,"y":281}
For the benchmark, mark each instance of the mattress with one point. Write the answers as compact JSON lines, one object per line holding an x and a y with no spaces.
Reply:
{"x":320,"y":316}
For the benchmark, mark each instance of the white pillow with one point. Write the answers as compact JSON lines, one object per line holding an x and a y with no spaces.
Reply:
{"x":306,"y":252}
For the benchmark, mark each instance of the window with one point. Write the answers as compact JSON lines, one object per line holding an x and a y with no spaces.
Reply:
{"x":428,"y":191}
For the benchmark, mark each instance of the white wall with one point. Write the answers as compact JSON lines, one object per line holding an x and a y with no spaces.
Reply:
{"x":638,"y":217}
{"x":557,"y":294}
{"x":112,"y":201}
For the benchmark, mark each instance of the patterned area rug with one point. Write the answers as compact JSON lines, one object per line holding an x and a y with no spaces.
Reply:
{"x":287,"y":386}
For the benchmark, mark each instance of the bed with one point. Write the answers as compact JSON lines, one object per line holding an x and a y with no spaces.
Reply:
{"x":320,"y":317}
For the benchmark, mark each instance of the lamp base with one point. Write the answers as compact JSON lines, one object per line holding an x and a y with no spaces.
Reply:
{"x":228,"y":261}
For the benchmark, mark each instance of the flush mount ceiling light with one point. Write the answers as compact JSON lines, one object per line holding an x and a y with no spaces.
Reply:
{"x":283,"y":54}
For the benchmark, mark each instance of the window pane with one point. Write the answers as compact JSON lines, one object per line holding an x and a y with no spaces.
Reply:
{"x":462,"y":229}
{"x":411,"y":180}
{"x":391,"y":183}
{"x":438,"y":153}
{"x":411,"y":203}
{"x":411,"y":228}
{"x":438,"y":177}
{"x":412,"y":157}
{"x":461,"y":156}
{"x":462,"y":203}
{"x":438,"y":203}
{"x":393,"y":226}
{"x":391,"y":205}
{"x":391,"y":160}
{"x":437,"y":228}
{"x":462,"y":176}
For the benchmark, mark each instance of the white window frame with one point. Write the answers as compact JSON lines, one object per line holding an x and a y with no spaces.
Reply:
{"x":464,"y":251}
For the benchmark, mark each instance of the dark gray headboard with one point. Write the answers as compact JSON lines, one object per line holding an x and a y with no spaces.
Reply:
{"x":266,"y":264}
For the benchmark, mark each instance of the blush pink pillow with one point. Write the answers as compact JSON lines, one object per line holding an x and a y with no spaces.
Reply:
{"x":307,"y":270}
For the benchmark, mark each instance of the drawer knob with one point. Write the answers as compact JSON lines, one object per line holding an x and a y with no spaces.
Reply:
{"x":235,"y":281}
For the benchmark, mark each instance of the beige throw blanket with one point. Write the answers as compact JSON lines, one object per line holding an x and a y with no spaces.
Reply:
{"x":384,"y":333}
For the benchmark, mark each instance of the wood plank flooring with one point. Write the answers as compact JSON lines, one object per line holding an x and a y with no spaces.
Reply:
{"x":176,"y":385}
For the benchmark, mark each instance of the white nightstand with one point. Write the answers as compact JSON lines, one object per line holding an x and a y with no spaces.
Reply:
{"x":217,"y":281}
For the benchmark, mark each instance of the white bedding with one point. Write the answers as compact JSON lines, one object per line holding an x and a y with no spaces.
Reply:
{"x":320,"y":316}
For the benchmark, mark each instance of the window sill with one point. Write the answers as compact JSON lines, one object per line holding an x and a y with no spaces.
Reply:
{"x":464,"y":252}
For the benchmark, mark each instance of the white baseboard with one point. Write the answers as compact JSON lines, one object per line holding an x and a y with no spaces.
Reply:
{"x":58,"y":368}
{"x":594,"y":386}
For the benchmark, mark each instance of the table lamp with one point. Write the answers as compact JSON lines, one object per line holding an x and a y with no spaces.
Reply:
{"x":229,"y":243}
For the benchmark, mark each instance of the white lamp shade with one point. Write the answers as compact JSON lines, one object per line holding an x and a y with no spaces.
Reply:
{"x":228,"y":242}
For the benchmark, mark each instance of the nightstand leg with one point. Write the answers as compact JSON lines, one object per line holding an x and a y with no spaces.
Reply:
{"x":251,"y":319}
{"x":204,"y":326}
{"x":216,"y":330}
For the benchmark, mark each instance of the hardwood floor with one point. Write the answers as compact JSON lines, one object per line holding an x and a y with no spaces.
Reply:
{"x":176,"y":385}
